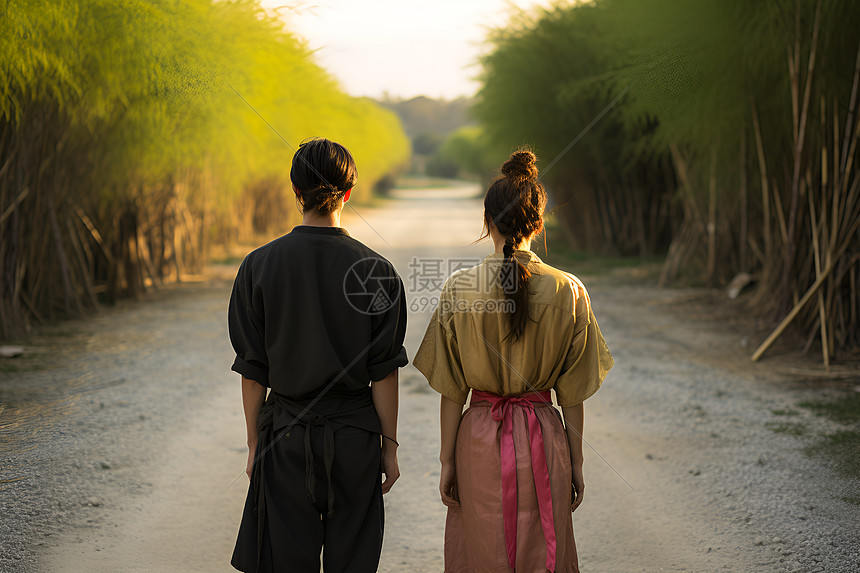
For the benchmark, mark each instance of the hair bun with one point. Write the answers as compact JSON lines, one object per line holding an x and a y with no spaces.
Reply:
{"x":521,"y":164}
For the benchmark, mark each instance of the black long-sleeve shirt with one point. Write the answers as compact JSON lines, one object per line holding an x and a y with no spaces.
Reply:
{"x":313,"y":306}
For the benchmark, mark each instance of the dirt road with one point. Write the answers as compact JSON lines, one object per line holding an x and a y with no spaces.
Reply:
{"x":131,"y":458}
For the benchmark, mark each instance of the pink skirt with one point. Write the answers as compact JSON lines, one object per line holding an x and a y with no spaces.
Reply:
{"x":474,"y":532}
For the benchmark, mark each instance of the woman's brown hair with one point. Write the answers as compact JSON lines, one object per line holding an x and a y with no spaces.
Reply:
{"x":515,"y":203}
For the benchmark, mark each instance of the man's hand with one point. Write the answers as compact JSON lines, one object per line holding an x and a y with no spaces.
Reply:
{"x":252,"y":452}
{"x":253,"y":397}
{"x":386,"y":402}
{"x":390,"y":467}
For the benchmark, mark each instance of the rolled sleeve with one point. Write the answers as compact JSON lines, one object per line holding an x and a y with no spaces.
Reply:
{"x":387,"y":352}
{"x":251,"y":371}
{"x":247,"y":330}
{"x":381,"y":370}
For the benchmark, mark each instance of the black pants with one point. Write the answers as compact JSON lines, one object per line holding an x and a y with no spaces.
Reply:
{"x":297,"y":530}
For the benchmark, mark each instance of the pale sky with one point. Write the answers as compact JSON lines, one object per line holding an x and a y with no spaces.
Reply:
{"x":403,"y":47}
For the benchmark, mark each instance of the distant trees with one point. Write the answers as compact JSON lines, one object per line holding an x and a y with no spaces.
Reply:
{"x":126,"y":148}
{"x":465,"y":152}
{"x":721,"y":132}
{"x":428,"y":122}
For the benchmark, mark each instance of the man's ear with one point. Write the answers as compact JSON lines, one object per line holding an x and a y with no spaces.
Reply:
{"x":346,"y":195}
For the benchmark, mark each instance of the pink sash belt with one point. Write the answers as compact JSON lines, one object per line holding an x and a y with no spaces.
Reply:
{"x":502,"y":411}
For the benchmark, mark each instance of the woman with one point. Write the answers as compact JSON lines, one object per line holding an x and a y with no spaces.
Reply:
{"x":319,"y":319}
{"x":510,"y":329}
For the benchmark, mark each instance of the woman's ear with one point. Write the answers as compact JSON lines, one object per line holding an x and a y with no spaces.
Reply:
{"x":346,"y":195}
{"x":297,"y":192}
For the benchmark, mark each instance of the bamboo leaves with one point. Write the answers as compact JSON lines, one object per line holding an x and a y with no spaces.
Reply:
{"x":703,"y":73}
{"x":124,"y":155}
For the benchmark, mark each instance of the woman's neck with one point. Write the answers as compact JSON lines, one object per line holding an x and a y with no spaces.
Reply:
{"x":524,"y":246}
{"x":499,"y":242}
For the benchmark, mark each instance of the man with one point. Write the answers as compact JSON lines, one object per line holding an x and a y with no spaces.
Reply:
{"x":318,"y":318}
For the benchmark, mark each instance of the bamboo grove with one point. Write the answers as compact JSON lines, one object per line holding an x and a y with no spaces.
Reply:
{"x":723,"y":133}
{"x":133,"y":136}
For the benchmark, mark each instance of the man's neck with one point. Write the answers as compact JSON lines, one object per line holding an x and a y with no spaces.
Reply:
{"x":316,"y":219}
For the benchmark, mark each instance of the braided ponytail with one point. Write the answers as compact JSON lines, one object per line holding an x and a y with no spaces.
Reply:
{"x":514,"y":204}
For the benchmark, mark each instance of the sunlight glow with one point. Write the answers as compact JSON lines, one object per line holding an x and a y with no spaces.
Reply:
{"x":402,"y":48}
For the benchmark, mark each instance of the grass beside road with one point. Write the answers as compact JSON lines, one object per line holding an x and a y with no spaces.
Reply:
{"x":842,"y":447}
{"x":560,"y":254}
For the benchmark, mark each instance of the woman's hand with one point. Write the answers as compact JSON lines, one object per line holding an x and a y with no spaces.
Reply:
{"x":574,"y":420}
{"x":450,"y":412}
{"x":448,"y":485}
{"x":578,"y":484}
{"x":390,"y":467}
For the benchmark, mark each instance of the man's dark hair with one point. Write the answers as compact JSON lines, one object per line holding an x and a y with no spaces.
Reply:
{"x":323,"y":171}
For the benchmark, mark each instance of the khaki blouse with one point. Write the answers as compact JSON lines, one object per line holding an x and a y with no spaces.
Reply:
{"x":561,"y":347}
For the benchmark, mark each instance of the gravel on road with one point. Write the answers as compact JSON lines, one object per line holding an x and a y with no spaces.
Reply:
{"x":122,"y":439}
